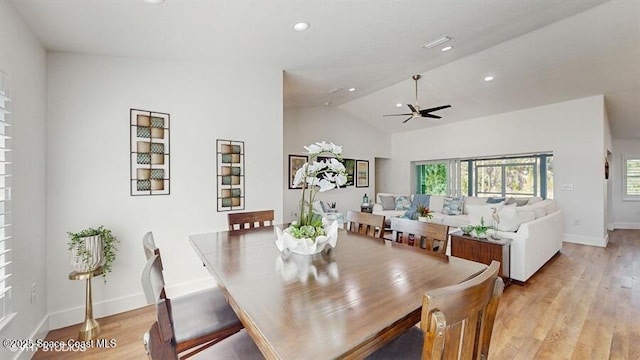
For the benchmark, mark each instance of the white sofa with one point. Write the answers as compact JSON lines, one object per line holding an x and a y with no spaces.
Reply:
{"x":535,"y":227}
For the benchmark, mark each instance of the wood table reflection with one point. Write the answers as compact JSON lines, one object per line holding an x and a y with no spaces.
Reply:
{"x":341,"y":304}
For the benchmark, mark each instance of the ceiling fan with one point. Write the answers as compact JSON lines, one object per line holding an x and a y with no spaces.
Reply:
{"x":415,"y":109}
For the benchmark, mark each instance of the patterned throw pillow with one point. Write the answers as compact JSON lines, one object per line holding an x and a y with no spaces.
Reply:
{"x":452,"y":205}
{"x":402,"y":203}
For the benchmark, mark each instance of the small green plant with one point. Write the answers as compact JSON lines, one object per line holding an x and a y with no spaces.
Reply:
{"x":482,"y":228}
{"x":76,"y":242}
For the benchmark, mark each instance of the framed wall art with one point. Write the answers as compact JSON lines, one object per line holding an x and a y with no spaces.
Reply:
{"x":150,"y":153}
{"x":362,"y":173}
{"x":295,"y":163}
{"x":350,"y":167}
{"x":230,"y":163}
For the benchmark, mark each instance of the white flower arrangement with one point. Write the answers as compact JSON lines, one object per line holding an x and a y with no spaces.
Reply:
{"x":316,"y":176}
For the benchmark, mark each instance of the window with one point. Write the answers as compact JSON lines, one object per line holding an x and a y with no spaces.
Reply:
{"x":5,"y":204}
{"x":518,"y":176}
{"x":631,"y":177}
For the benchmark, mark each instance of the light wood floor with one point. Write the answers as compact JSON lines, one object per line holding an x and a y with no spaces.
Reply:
{"x":584,"y":304}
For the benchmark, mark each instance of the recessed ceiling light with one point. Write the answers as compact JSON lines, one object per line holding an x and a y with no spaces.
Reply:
{"x":436,"y":42}
{"x":300,"y":26}
{"x":153,"y":1}
{"x":327,"y":103}
{"x":399,"y":105}
{"x":352,"y":89}
{"x":446,"y":48}
{"x":335,"y":90}
{"x":488,"y":78}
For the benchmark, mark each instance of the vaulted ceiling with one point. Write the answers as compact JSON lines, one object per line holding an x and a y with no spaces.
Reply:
{"x":539,"y":52}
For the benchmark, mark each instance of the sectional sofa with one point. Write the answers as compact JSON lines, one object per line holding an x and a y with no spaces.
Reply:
{"x":534,"y":225}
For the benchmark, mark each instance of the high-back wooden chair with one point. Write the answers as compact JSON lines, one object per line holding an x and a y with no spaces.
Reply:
{"x":200,"y":319}
{"x":457,"y":322}
{"x":250,"y":219}
{"x":159,"y":341}
{"x":430,"y":237}
{"x":365,"y":223}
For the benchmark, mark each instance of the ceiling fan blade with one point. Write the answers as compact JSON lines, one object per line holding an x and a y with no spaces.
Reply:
{"x":409,"y":118}
{"x":397,"y":114}
{"x":426,"y":111}
{"x":431,"y":116}
{"x":412,"y":108}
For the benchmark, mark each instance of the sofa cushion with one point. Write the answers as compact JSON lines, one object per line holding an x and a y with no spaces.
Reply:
{"x":533,"y":200}
{"x":436,"y":202}
{"x":402,"y":203}
{"x":512,"y":216}
{"x":472,"y":200}
{"x":549,"y":205}
{"x":452,"y":205}
{"x":388,"y":202}
{"x":479,"y":212}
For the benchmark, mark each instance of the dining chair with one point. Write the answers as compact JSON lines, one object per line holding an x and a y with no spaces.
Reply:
{"x":457,"y":322}
{"x":250,"y":219}
{"x":430,"y":237}
{"x":365,"y":223}
{"x":200,"y":319}
{"x":159,"y":341}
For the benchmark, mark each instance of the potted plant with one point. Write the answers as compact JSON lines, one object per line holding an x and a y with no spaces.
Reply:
{"x":91,"y":248}
{"x":424,"y":214}
{"x":309,"y":234}
{"x":480,"y":231}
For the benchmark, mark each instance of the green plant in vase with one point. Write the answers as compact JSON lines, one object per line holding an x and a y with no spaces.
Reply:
{"x":481,"y":230}
{"x":87,"y":255}
{"x":310,"y":233}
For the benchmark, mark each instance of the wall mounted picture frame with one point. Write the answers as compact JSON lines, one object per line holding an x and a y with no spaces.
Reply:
{"x":230,"y":177}
{"x":350,"y":167}
{"x":362,"y":173}
{"x":150,"y":152}
{"x":295,"y":163}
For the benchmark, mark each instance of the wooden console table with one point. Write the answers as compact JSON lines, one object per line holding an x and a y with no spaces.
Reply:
{"x":484,"y":251}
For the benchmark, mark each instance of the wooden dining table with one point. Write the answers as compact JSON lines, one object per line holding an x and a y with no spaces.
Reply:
{"x":344,"y":303}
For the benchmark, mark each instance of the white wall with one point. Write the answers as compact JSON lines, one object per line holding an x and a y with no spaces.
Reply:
{"x":88,"y":164}
{"x":359,"y":141}
{"x":573,"y":130}
{"x":626,"y":214}
{"x":24,"y":59}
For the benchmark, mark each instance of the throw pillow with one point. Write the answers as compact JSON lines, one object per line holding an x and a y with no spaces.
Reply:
{"x":388,"y":202}
{"x":495,"y":200}
{"x":402,"y":203}
{"x":452,"y":205}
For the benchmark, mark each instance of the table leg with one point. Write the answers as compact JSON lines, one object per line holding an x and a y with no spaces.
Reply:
{"x":90,"y":329}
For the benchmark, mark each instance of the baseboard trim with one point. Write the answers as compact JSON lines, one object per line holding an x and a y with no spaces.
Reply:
{"x":39,"y":333}
{"x":73,"y":316}
{"x":629,"y":226}
{"x":585,"y":240}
